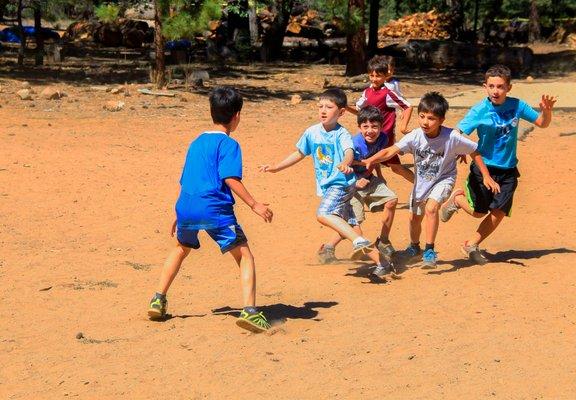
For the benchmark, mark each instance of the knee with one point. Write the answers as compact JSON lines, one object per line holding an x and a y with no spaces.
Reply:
{"x":391,"y":205}
{"x":432,"y":209}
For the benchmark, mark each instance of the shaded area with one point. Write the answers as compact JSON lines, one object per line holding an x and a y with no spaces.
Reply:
{"x":508,"y":256}
{"x":281,"y":312}
{"x":168,"y":317}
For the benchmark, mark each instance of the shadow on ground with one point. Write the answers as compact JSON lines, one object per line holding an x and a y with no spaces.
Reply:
{"x":508,"y":256}
{"x":282,"y":312}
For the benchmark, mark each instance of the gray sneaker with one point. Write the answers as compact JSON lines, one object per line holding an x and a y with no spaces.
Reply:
{"x":474,"y":253}
{"x":360,"y":249}
{"x":450,"y":207}
{"x":381,"y":270}
{"x":326,"y":254}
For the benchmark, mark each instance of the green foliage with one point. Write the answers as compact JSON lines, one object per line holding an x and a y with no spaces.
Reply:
{"x":190,"y":18}
{"x":107,"y":12}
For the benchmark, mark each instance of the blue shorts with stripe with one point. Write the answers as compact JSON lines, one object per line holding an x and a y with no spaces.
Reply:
{"x":336,"y":201}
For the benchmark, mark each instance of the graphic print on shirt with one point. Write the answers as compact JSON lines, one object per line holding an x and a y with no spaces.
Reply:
{"x":428,"y":162}
{"x":505,"y":124}
{"x":325,"y":157}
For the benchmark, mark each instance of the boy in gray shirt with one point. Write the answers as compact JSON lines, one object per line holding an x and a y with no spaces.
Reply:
{"x":435,"y":149}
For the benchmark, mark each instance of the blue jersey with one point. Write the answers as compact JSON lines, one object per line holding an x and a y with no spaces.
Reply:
{"x":327,"y":150}
{"x":497,"y":128}
{"x":364,"y":150}
{"x":205,"y":200}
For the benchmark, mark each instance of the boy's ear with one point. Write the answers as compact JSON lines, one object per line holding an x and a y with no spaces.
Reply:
{"x":342,"y":111}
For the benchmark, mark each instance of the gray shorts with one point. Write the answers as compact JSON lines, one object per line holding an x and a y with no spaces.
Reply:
{"x":373,"y":196}
{"x":439,"y":193}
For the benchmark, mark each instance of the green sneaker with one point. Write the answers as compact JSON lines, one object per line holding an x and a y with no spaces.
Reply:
{"x":157,"y":309}
{"x":254,"y":322}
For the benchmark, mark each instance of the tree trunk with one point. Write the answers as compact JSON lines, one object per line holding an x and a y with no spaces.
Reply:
{"x":22,"y":48}
{"x":534,"y":24}
{"x":159,"y":73}
{"x":356,"y":42}
{"x":273,"y":37}
{"x":39,"y":56}
{"x":373,"y":28}
{"x":252,"y":22}
{"x":457,"y":15}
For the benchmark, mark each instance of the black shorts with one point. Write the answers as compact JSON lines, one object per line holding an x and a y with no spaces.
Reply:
{"x":482,"y":200}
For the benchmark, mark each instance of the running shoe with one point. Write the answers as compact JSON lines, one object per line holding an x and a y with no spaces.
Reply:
{"x":429,"y":259}
{"x":253,"y":321}
{"x":474,"y":253}
{"x":360,"y":249}
{"x":326,"y":254}
{"x":385,"y":249}
{"x":157,"y":308}
{"x":450,"y":207}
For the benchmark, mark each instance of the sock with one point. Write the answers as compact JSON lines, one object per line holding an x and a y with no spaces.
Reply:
{"x":328,"y":246}
{"x":160,"y":296}
{"x":384,"y":240}
{"x":429,"y":246}
{"x":359,"y":239}
{"x":251,"y":310}
{"x":416,"y":245}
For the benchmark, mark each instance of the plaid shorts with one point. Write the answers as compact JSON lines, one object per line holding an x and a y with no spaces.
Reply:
{"x":336,"y":201}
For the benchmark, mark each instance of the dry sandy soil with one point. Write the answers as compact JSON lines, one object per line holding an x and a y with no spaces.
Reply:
{"x":86,"y":203}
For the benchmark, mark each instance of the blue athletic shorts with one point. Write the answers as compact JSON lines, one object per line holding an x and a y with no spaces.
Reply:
{"x":227,"y":237}
{"x":336,"y":201}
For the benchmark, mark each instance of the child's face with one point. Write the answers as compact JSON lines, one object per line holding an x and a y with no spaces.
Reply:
{"x":328,"y":112}
{"x":430,"y":123}
{"x":497,"y":89}
{"x":370,"y":130}
{"x":377,"y":79}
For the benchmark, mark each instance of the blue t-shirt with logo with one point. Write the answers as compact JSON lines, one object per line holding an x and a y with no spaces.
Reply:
{"x":497,"y":128}
{"x":327,"y":150}
{"x":205,"y":201}
{"x":364,"y":150}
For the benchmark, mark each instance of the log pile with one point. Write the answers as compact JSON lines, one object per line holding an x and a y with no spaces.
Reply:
{"x":429,"y":25}
{"x":565,"y":34}
{"x":124,"y":32}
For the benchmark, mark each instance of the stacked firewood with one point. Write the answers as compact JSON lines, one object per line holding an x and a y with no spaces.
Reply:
{"x":429,"y":25}
{"x":124,"y":32}
{"x":565,"y":34}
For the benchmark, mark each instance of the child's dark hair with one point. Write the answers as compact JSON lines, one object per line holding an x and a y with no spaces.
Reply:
{"x":500,"y":71}
{"x":435,"y":103}
{"x":335,"y":95}
{"x":380,"y":64}
{"x":369,"y":114}
{"x":225,"y":102}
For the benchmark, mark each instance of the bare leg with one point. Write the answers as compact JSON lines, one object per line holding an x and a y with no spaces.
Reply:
{"x":245,"y":260}
{"x":415,"y":227}
{"x":403,"y":171}
{"x":461,"y":201}
{"x":171,"y":267}
{"x":432,"y":220}
{"x":388,"y":218}
{"x":337,"y":238}
{"x":487,"y":226}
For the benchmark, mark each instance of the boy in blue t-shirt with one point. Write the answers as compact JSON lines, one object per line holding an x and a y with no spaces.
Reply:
{"x":330,"y":146}
{"x":371,"y":190}
{"x":212,"y":171}
{"x":495,"y":120}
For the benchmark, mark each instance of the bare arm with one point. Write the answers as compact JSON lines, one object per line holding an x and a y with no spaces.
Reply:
{"x":344,"y":166}
{"x":240,"y":190}
{"x":287,"y":162}
{"x":406,"y":114}
{"x":382,"y":155}
{"x":352,"y":109}
{"x":486,"y":178}
{"x":546,"y":106}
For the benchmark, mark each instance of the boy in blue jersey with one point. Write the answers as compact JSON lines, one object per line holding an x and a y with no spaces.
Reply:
{"x":331,"y":148}
{"x":213,"y":170}
{"x":495,"y":120}
{"x":371,"y":190}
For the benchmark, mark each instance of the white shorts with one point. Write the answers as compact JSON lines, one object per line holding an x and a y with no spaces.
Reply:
{"x":439,"y":193}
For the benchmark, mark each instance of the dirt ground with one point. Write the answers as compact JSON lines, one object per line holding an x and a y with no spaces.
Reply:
{"x":86,"y":204}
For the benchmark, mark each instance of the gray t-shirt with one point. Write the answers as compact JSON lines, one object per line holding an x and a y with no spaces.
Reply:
{"x":434,"y":158}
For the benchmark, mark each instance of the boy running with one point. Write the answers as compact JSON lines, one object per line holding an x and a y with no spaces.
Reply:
{"x":435,"y":149}
{"x":213,"y":170}
{"x":495,"y":120}
{"x":371,"y":190}
{"x":331,"y":148}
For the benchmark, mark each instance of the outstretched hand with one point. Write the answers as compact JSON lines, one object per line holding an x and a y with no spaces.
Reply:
{"x":345,"y":168}
{"x":547,"y":102}
{"x":266,"y":168}
{"x":263,"y":211}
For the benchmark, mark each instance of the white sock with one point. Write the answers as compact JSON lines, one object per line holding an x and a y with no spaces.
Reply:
{"x":359,"y":239}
